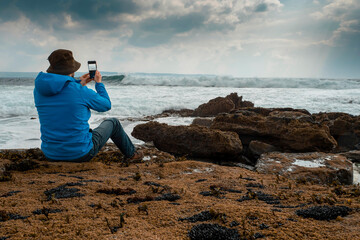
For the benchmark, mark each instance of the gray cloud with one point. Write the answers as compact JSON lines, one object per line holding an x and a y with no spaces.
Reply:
{"x":51,"y":14}
{"x":262,"y":7}
{"x":155,"y":22}
{"x":155,"y":31}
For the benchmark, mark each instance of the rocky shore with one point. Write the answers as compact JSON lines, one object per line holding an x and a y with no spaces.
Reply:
{"x":238,"y":172}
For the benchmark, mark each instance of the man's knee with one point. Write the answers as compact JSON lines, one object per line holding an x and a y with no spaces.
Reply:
{"x":115,"y":121}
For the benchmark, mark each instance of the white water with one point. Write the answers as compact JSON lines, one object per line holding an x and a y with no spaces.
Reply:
{"x":135,"y":97}
{"x":310,"y":164}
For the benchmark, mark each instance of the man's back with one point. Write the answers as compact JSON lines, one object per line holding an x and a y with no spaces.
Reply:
{"x":63,"y":106}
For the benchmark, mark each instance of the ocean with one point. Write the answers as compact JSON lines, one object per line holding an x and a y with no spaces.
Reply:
{"x":135,"y":95}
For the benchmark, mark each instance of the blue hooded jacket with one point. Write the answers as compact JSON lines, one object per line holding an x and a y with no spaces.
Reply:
{"x":63,"y":105}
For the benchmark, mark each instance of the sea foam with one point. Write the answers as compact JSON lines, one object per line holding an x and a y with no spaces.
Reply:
{"x":228,"y":81}
{"x":147,"y":79}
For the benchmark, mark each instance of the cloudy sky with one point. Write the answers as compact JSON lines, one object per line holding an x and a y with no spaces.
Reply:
{"x":244,"y":38}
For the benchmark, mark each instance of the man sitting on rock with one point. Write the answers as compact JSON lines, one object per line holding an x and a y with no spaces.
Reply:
{"x":63,"y":104}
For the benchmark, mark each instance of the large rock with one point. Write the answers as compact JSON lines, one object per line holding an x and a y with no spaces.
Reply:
{"x":221,"y":105}
{"x":321,"y":168}
{"x":238,"y":101}
{"x":344,"y":127}
{"x":288,"y":131}
{"x":194,"y":140}
{"x":214,"y":107}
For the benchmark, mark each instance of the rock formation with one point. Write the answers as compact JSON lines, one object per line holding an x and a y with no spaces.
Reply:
{"x":288,"y":131}
{"x":214,"y":107}
{"x":221,"y":105}
{"x":344,"y":127}
{"x":316,"y":167}
{"x":194,"y":141}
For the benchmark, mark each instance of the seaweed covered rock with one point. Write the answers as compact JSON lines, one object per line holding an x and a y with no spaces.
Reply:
{"x":345,"y":128}
{"x":63,"y":191}
{"x":322,"y":168}
{"x":20,"y":154}
{"x":288,"y":131}
{"x":324,"y":212}
{"x":5,"y":175}
{"x":213,"y":231}
{"x":194,"y":141}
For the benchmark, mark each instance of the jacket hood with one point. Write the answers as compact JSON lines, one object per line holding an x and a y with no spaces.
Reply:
{"x":49,"y":84}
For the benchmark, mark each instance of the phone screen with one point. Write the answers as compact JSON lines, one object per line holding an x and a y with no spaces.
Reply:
{"x":92,"y":66}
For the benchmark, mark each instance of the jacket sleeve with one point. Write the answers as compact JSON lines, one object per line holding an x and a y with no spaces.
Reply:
{"x":99,"y":100}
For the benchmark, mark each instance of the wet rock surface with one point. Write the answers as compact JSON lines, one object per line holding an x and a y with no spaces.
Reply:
{"x":321,"y":168}
{"x":46,"y":211}
{"x":213,"y":231}
{"x":117,"y":191}
{"x":193,"y":141}
{"x":6,"y":216}
{"x":324,"y":212}
{"x":64,"y":191}
{"x":267,"y":198}
{"x":200,"y":217}
{"x":168,"y":196}
{"x":9,"y":194}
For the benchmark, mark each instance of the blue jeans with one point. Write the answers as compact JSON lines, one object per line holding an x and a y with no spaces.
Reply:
{"x":109,"y":128}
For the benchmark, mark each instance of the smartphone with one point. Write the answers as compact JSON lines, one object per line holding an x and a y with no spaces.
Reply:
{"x":92,"y":68}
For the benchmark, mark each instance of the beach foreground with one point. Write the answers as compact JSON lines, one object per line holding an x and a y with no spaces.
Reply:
{"x":103,"y":200}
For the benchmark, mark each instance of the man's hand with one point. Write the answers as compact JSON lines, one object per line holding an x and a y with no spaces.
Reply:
{"x":85,"y":79}
{"x":98,"y":77}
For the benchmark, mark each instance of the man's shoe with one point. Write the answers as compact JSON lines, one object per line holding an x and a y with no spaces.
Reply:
{"x":138,"y":156}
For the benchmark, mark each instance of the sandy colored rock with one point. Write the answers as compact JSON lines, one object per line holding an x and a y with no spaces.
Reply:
{"x":322,"y":168}
{"x":193,"y":140}
{"x":289,"y":134}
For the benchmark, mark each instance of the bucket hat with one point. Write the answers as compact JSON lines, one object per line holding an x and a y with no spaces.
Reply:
{"x":62,"y":62}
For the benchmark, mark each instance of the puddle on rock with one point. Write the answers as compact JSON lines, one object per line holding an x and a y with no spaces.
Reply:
{"x":356,"y":173}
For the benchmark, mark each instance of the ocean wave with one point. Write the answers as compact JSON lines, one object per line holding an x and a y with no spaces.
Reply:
{"x":208,"y":81}
{"x":233,"y":82}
